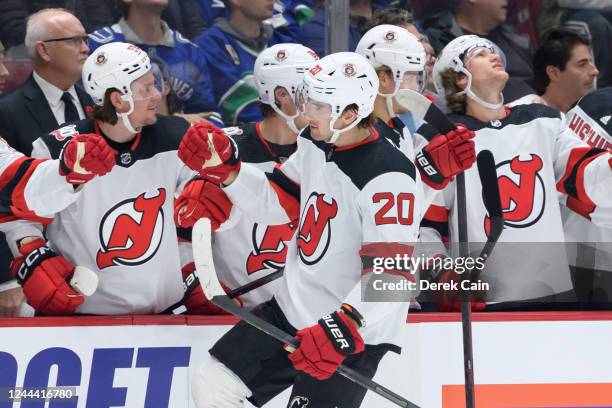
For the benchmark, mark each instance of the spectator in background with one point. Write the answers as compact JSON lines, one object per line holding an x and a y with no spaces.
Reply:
{"x":486,"y":18}
{"x":142,"y":25}
{"x":563,"y":70}
{"x":231,"y":46}
{"x":57,"y":44}
{"x":595,"y":18}
{"x":312,"y":34}
{"x":288,"y":15}
{"x":168,"y":103}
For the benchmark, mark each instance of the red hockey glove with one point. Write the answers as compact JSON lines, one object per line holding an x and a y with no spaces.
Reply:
{"x":201,"y":198}
{"x":446,"y":156}
{"x":86,"y":156}
{"x":450,"y":300}
{"x":324,"y":346}
{"x":44,"y":276}
{"x":195,"y":301}
{"x":208,"y":150}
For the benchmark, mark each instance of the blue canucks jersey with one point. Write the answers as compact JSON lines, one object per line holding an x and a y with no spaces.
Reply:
{"x":189,"y":75}
{"x":231,"y":65}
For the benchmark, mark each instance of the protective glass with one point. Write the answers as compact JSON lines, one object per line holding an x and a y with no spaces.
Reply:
{"x":476,"y":50}
{"x":147,"y":87}
{"x":413,"y":80}
{"x":311,"y":108}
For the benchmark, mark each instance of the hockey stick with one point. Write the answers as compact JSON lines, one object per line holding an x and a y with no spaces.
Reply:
{"x":202,"y":254}
{"x":257,"y":283}
{"x":421,"y":106}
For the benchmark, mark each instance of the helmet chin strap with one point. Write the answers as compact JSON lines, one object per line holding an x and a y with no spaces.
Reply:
{"x":289,"y":119}
{"x":468,"y":91}
{"x":336,"y":132}
{"x":124,"y":116}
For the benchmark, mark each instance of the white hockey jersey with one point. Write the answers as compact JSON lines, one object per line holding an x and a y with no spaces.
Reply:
{"x":536,"y":157}
{"x":342,"y":198}
{"x":590,"y":121}
{"x":30,"y":188}
{"x":248,"y":250}
{"x":121,"y":225}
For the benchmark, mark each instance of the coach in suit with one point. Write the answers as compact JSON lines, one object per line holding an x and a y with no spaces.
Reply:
{"x":57,"y":44}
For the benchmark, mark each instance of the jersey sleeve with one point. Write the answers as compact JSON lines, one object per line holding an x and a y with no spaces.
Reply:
{"x":584,"y":175}
{"x":390,"y":207}
{"x":202,"y":99}
{"x":269,"y":198}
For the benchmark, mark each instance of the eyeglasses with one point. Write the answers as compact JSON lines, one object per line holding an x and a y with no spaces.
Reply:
{"x":75,"y":41}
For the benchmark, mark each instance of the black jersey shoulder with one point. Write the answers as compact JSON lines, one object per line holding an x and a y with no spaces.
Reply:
{"x":364,"y":163}
{"x":250,"y":146}
{"x":395,"y":134}
{"x":163,"y":136}
{"x":56,"y":139}
{"x":519,"y":115}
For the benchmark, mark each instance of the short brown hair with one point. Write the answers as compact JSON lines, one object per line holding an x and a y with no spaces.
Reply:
{"x":266,"y":110}
{"x":106,"y":113}
{"x":364,"y":123}
{"x":456,"y":103}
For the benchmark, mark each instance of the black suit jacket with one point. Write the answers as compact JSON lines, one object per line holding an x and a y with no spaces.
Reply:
{"x":25,"y":114}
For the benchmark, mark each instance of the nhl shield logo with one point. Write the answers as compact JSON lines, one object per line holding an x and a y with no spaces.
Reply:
{"x":126,"y":158}
{"x":390,"y":36}
{"x":349,"y":70}
{"x":299,"y":402}
{"x":281,"y":55}
{"x":101,"y":58}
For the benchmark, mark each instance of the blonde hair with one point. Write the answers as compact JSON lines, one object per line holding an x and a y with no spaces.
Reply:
{"x":456,"y":103}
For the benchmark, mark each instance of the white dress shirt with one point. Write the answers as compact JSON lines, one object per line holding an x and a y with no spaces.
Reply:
{"x":54,"y":98}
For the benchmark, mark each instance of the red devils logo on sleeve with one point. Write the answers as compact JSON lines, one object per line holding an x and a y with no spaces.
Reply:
{"x":269,"y":249}
{"x":131,"y":232}
{"x":521,"y":190}
{"x":314,"y":233}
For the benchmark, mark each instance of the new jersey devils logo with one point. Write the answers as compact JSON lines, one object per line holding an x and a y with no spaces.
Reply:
{"x":521,"y":191}
{"x":131,"y":231}
{"x":269,"y":249}
{"x":314,"y":233}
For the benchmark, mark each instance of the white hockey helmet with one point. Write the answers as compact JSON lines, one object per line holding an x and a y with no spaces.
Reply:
{"x":455,"y":55}
{"x":282,"y":65}
{"x":399,"y":50}
{"x":340,"y":80}
{"x":115,"y":65}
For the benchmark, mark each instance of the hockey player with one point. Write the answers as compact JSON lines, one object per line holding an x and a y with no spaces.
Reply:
{"x":349,"y":190}
{"x":536,"y":158}
{"x":399,"y":59}
{"x":249,"y":250}
{"x":589,"y":245}
{"x":120,"y":226}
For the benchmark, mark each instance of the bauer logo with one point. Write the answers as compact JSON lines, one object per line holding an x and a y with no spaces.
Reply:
{"x":314,"y":233}
{"x":521,"y":190}
{"x":131,"y":231}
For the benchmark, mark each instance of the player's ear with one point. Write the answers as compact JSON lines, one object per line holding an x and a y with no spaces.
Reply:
{"x":348,"y":117}
{"x":462,"y":81}
{"x":119,"y":104}
{"x":385,"y":80}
